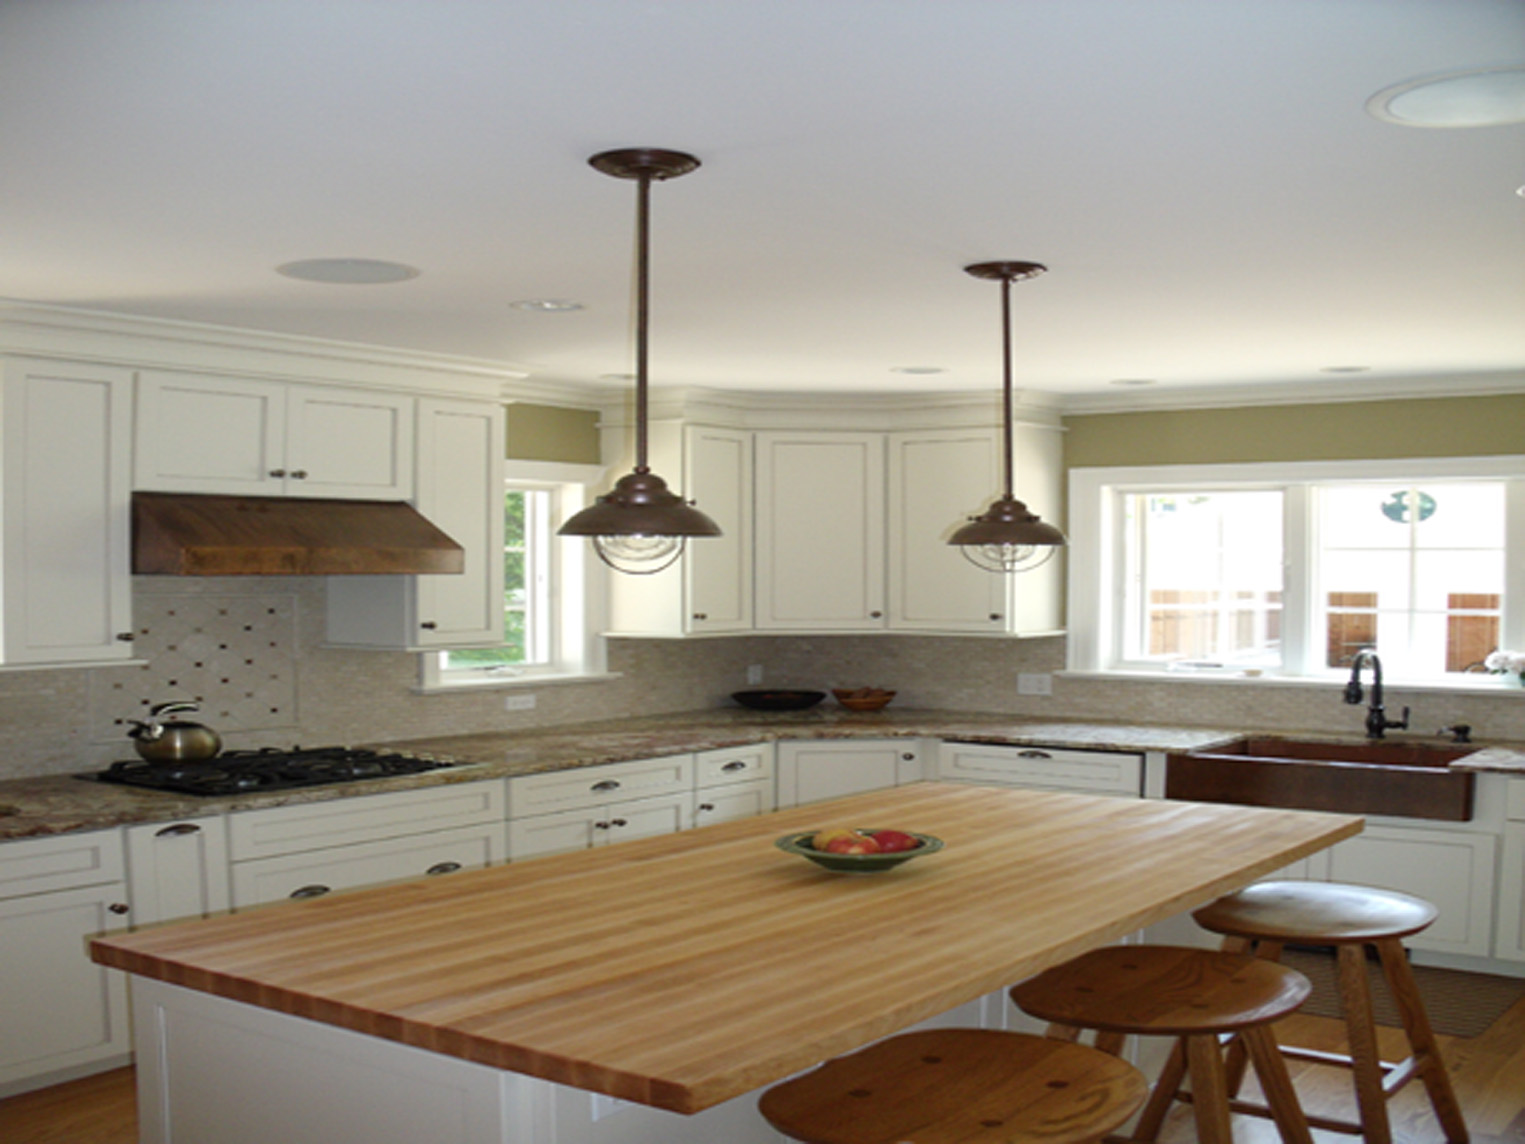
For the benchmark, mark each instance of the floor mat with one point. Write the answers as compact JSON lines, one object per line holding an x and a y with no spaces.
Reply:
{"x":1459,"y":1004}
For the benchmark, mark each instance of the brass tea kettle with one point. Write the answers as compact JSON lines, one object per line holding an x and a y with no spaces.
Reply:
{"x":174,"y":740}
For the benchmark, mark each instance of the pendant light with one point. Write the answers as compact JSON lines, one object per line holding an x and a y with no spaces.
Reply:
{"x":640,"y":526}
{"x":1006,"y":537}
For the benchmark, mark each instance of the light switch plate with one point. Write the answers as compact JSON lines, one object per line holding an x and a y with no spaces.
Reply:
{"x":521,"y":702}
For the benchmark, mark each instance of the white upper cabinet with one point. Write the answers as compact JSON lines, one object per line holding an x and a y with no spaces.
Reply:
{"x":67,"y":497}
{"x":709,"y":591}
{"x":938,"y":479}
{"x":820,"y":552}
{"x":460,"y":489}
{"x":199,"y":434}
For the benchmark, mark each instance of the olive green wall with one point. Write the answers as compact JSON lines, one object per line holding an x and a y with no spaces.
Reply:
{"x":551,"y":433}
{"x":1418,"y":427}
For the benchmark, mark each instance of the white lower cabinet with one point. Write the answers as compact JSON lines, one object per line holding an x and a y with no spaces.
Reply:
{"x":810,"y":771}
{"x":1044,"y":768}
{"x":732,"y":783}
{"x":573,"y":810}
{"x":1453,"y":870}
{"x":60,"y":1013}
{"x":177,"y":869}
{"x":309,"y":849}
{"x":598,"y":825}
{"x":1509,"y":945}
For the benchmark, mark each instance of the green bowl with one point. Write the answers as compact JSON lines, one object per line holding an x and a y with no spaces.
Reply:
{"x":799,"y":843}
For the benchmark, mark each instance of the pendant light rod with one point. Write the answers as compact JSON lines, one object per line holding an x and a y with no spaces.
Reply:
{"x":1006,"y":273}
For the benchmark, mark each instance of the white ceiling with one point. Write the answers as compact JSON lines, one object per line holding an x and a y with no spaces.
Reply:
{"x":1215,"y":204}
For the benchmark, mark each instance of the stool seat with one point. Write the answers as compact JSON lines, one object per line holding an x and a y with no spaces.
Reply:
{"x":1194,"y":995}
{"x":1162,"y":991}
{"x":1353,"y":919}
{"x":958,"y":1086}
{"x":1325,"y":913}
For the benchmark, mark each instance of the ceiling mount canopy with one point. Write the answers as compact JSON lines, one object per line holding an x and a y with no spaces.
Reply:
{"x":1007,"y":536}
{"x":640,"y":526}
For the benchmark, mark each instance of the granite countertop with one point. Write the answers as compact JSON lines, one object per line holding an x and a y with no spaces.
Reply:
{"x":59,"y":804}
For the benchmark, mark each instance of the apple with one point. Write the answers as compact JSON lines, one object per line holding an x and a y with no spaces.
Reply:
{"x":823,"y":838}
{"x":892,"y":841}
{"x":853,"y":843}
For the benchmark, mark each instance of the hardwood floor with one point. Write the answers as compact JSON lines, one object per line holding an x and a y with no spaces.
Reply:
{"x":1487,"y":1071}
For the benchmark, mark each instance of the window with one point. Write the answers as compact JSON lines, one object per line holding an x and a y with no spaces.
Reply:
{"x":1292,"y":569}
{"x":548,"y":631}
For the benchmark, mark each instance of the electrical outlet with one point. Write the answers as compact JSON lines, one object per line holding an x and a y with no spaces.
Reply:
{"x":754,"y":674}
{"x":1035,"y":683}
{"x":520,"y":702}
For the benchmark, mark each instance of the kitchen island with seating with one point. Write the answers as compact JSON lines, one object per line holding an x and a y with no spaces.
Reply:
{"x":680,"y":973}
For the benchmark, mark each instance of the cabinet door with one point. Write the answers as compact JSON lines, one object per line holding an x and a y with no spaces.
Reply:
{"x":311,"y":875}
{"x":820,"y":550}
{"x":717,"y":469}
{"x":210,"y":435}
{"x":177,"y":869}
{"x":1452,"y":870}
{"x":1510,"y":944}
{"x":737,"y":800}
{"x":937,"y":481}
{"x":349,"y":443}
{"x":584,"y":828}
{"x":67,"y":504}
{"x":58,"y":1009}
{"x":810,"y":772}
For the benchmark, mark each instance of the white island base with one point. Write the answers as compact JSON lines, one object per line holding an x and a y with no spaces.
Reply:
{"x":214,"y":1071}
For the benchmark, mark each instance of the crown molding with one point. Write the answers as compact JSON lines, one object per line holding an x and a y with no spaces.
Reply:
{"x":1331,"y":391}
{"x":40,"y":330}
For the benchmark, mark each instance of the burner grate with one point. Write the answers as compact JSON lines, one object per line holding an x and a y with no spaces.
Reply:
{"x":245,"y":772}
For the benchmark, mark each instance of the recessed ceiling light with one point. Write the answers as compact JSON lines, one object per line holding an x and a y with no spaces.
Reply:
{"x":348,"y":271}
{"x":1131,"y":381}
{"x":546,"y":305}
{"x":1485,"y":97}
{"x":1345,"y":369}
{"x":917,"y":370}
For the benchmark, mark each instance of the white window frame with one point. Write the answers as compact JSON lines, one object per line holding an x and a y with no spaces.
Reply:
{"x":577,"y":585}
{"x":1096,"y":547}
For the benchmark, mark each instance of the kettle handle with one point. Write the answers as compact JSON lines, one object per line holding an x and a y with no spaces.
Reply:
{"x":171,"y":707}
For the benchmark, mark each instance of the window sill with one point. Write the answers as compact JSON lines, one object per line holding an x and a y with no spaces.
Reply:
{"x":1484,"y":685}
{"x":512,"y":683}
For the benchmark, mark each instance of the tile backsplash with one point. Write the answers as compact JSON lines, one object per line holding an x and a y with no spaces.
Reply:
{"x":250,"y":651}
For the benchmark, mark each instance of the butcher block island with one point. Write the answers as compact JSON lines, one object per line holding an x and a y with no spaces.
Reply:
{"x":683,"y":973}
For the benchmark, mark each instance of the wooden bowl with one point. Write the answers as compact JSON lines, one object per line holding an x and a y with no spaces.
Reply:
{"x":799,"y":843}
{"x":863,"y":698}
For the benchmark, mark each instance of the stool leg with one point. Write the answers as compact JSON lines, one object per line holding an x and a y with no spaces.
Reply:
{"x":1360,"y":1030}
{"x":1152,"y":1119}
{"x":1209,"y":1090}
{"x":1271,"y":951}
{"x":1416,"y":1023}
{"x":1276,"y":1084}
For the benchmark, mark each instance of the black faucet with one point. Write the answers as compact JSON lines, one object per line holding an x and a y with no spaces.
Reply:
{"x":1376,"y":719}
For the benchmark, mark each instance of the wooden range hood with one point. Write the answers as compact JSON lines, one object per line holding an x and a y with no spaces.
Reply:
{"x":181,"y":534}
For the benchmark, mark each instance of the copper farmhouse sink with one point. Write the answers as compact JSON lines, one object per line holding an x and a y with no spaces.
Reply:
{"x":1406,"y":780}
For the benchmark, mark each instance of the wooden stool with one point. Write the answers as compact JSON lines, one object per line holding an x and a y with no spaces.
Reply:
{"x":1269,"y":915}
{"x":1195,"y":995}
{"x":958,"y":1086}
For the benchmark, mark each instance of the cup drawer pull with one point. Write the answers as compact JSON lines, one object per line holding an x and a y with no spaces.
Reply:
{"x":443,"y":868}
{"x":178,"y":829}
{"x":606,"y":785}
{"x":313,"y":891}
{"x":1034,"y":755}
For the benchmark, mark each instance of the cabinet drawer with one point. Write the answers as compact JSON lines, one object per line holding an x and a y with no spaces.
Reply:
{"x":734,"y":765}
{"x":315,"y":826}
{"x":61,"y":862}
{"x":366,"y":864}
{"x":598,"y":786}
{"x":1049,"y":768}
{"x":1514,"y":801}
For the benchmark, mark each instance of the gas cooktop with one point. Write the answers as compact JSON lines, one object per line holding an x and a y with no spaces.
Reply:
{"x":249,"y":772}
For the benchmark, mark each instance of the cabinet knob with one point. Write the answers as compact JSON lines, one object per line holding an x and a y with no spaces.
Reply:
{"x":701,"y":615}
{"x":278,"y":473}
{"x":118,"y":907}
{"x":429,"y":625}
{"x":735,"y":765}
{"x":995,"y":615}
{"x":178,"y":829}
{"x":299,"y":474}
{"x":443,"y":868}
{"x":1034,"y":755}
{"x":606,"y":785}
{"x":908,"y":757}
{"x":125,"y":637}
{"x":313,"y":891}
{"x":618,"y":822}
{"x":876,"y":615}
{"x":703,"y":806}
{"x":600,"y":826}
